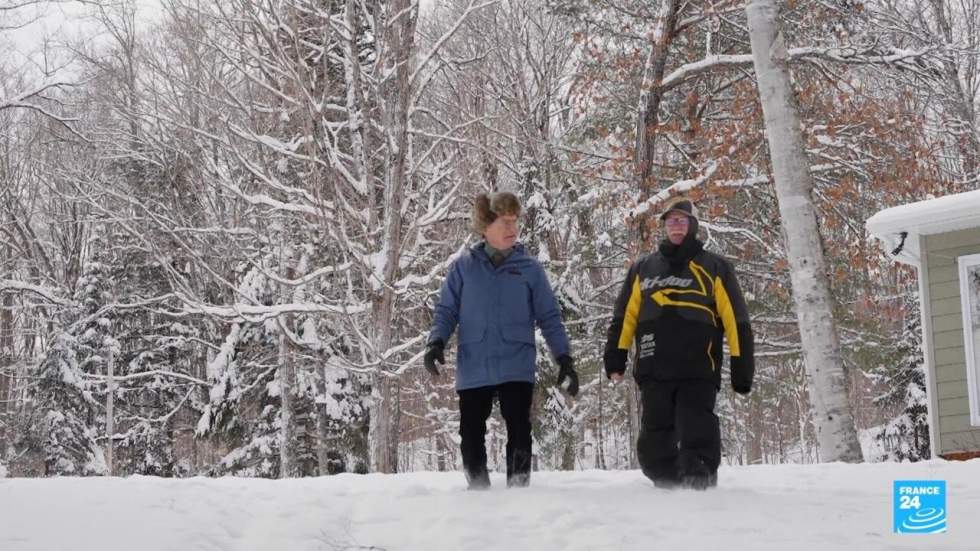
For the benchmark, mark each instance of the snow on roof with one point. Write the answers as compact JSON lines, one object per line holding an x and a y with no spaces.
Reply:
{"x":943,"y":214}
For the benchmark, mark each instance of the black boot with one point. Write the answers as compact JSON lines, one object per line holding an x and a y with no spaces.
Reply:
{"x":479,"y":480}
{"x":666,"y":483}
{"x":515,"y":407}
{"x":518,"y":468}
{"x":700,"y":481}
{"x":519,"y":480}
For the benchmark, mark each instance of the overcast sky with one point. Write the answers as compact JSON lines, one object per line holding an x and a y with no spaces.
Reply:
{"x":54,"y":22}
{"x":60,"y":21}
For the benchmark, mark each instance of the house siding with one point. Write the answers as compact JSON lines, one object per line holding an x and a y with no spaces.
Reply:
{"x":950,"y":395}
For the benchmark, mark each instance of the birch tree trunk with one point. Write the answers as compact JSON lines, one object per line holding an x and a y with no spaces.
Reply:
{"x":833,"y":419}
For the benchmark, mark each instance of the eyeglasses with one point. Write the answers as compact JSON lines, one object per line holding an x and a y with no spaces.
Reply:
{"x":508,"y":224}
{"x":680,"y":221}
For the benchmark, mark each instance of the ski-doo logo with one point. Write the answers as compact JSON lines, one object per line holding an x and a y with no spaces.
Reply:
{"x":669,"y":281}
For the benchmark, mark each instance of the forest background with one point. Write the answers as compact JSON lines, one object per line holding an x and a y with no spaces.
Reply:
{"x":223,"y":228}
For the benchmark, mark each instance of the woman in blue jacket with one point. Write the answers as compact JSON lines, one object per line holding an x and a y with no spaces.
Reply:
{"x":496,"y":294}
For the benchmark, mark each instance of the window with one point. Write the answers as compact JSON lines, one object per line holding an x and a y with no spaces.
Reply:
{"x":970,"y":297}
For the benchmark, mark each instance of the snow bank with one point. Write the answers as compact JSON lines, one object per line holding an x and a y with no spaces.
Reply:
{"x":798,"y":507}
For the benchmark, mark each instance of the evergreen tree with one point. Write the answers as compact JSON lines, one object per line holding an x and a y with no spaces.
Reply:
{"x":906,"y":436}
{"x":243,"y":411}
{"x":343,"y":409}
{"x":66,"y":414}
{"x":63,"y":422}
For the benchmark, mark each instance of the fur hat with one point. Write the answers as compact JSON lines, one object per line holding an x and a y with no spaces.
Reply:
{"x":682,"y":205}
{"x":487,"y":208}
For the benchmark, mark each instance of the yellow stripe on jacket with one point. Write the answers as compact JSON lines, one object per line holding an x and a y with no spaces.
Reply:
{"x":662,"y":297}
{"x":724,"y":305}
{"x":631,"y":315}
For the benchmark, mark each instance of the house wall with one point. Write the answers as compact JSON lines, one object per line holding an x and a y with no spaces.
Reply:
{"x":951,"y":405}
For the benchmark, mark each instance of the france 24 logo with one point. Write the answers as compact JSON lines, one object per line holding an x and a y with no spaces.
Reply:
{"x":920,"y":506}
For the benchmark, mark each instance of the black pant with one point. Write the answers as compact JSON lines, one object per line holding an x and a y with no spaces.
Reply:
{"x":679,"y":432}
{"x":475,"y":405}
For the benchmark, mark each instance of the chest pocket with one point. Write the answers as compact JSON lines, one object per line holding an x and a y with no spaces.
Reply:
{"x":514,"y":297}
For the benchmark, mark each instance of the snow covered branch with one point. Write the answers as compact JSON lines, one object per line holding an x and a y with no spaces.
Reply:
{"x":909,"y":59}
{"x":47,"y":293}
{"x":259,"y":313}
{"x":676,"y":188}
{"x":145,"y":374}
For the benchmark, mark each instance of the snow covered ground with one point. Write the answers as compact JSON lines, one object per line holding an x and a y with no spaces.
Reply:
{"x":795,"y":507}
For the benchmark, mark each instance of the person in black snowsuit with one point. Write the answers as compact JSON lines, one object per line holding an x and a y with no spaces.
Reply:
{"x":677,"y":304}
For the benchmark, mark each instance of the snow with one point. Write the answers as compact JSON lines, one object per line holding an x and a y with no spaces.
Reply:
{"x":309,"y":334}
{"x":944,"y":214}
{"x":48,"y":293}
{"x":376,"y":261}
{"x":280,"y":146}
{"x":677,"y":188}
{"x":259,"y":314}
{"x":803,"y":507}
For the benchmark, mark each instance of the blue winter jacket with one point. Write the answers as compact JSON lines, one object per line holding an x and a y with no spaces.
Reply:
{"x":496,"y":309}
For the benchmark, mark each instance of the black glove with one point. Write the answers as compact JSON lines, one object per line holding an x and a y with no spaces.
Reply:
{"x":743,"y":369}
{"x":615,"y":361}
{"x":743,"y":366}
{"x":566,"y":370}
{"x":434,"y":353}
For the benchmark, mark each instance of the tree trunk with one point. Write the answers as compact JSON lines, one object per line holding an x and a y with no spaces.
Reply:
{"x":757,"y":431}
{"x":600,"y":423}
{"x":322,"y":429}
{"x":7,"y":361}
{"x":836,"y":435}
{"x":395,"y":71}
{"x":957,"y":99}
{"x":110,"y":416}
{"x":357,"y":112}
{"x":288,"y":465}
{"x":288,"y":461}
{"x":648,"y":110}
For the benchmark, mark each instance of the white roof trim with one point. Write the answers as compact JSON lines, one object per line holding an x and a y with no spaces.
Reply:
{"x":944,"y":214}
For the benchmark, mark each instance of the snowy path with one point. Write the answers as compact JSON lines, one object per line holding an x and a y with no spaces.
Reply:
{"x":817,"y":507}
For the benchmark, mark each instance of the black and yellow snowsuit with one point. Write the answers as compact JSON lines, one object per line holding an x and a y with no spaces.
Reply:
{"x":676,"y":305}
{"x":678,"y":314}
